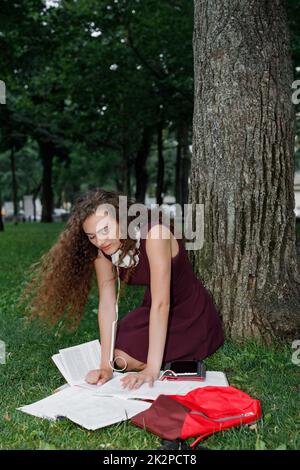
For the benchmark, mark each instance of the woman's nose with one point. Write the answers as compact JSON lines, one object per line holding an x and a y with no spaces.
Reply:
{"x":102,"y":242}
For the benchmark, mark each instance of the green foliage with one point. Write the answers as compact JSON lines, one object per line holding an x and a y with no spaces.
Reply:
{"x":89,"y":75}
{"x":28,"y":170}
{"x":92,"y":86}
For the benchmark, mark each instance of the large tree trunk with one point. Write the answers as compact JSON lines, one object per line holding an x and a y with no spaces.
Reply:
{"x":243,"y":166}
{"x":46,"y":155}
{"x":141,"y":176}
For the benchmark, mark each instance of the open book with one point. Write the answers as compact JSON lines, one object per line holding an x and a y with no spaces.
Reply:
{"x":97,"y":406}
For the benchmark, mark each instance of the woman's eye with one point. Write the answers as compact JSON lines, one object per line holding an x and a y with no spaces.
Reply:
{"x":103,"y":230}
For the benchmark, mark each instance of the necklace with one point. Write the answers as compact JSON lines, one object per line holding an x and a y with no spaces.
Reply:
{"x":129,"y":258}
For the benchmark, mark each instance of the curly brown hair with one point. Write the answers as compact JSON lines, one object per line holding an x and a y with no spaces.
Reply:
{"x":60,"y":281}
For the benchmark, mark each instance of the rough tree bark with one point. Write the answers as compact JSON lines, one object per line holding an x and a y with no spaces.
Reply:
{"x":243,"y":166}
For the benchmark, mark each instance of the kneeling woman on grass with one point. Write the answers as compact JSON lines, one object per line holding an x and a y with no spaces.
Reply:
{"x":177,"y":319}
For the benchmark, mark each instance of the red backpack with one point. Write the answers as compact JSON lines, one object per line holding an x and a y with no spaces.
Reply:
{"x":201,"y":412}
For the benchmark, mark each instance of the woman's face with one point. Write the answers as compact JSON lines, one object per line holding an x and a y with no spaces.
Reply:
{"x":103,"y":231}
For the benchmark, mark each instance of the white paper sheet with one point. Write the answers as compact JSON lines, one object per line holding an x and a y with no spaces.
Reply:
{"x":94,"y":387}
{"x":62,"y":387}
{"x":172,"y":387}
{"x":98,"y":412}
{"x":55,"y":404}
{"x":56,"y":358}
{"x":59,"y":364}
{"x":114,"y":388}
{"x":97,"y":406}
{"x":84,"y":408}
{"x":78,"y":360}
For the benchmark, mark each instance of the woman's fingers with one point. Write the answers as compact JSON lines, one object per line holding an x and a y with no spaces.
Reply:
{"x":129,"y":380}
{"x":92,"y":377}
{"x":104,"y":378}
{"x":138,"y":383}
{"x":97,"y":376}
{"x":102,"y":381}
{"x":135,"y":381}
{"x":150,"y":381}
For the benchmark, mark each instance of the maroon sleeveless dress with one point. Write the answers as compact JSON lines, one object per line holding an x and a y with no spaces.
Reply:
{"x":194,"y":326}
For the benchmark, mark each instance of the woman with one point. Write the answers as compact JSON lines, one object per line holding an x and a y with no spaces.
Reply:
{"x":177,"y":318}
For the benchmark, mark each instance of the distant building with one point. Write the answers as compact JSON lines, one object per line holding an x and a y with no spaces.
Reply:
{"x":28,"y":208}
{"x":25,"y":209}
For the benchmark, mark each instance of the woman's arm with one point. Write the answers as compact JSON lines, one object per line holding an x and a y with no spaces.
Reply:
{"x":158,"y":248}
{"x":106,"y":309}
{"x":159,"y":254}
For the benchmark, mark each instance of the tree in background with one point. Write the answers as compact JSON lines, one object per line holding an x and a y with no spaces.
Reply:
{"x":110,"y":83}
{"x":102,"y":89}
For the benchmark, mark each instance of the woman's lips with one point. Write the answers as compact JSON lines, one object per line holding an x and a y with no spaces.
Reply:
{"x":105,"y":247}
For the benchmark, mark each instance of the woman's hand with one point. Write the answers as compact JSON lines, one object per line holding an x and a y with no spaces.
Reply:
{"x":99,"y":376}
{"x":135,"y":379}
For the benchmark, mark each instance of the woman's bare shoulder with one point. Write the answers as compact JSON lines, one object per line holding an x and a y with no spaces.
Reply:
{"x":104,"y":270}
{"x":102,"y":260}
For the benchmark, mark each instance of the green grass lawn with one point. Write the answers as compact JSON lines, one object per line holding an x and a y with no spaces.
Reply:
{"x":29,"y":373}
